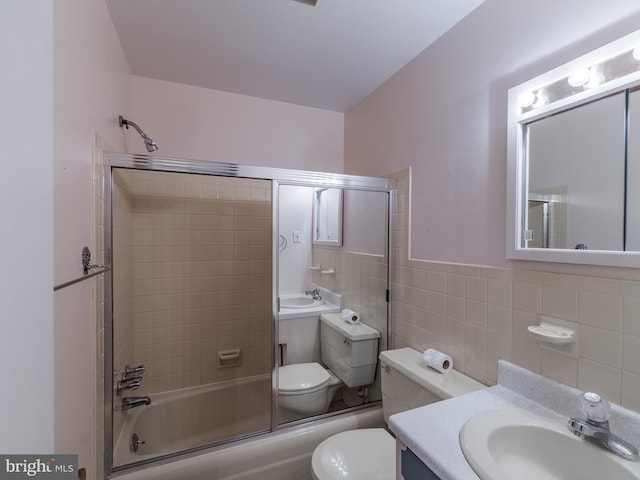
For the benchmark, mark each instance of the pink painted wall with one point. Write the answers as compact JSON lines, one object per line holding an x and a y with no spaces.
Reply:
{"x":198,"y":123}
{"x":91,"y":87}
{"x":444,"y":114}
{"x":26,"y":247}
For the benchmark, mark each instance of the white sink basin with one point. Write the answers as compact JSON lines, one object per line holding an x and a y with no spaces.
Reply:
{"x":299,"y":301}
{"x":515,"y":444}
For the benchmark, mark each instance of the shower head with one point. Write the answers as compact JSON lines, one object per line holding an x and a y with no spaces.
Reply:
{"x":150,"y":144}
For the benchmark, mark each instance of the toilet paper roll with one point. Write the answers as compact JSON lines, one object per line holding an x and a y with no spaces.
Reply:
{"x":438,"y":360}
{"x":350,"y":316}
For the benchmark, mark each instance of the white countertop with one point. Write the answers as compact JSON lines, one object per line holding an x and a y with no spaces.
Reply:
{"x":431,"y":432}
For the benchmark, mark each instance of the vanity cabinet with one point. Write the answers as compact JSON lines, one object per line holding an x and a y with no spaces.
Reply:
{"x":410,"y":467}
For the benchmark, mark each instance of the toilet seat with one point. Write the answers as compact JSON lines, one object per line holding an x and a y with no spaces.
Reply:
{"x":363,"y":454}
{"x":302,"y":378}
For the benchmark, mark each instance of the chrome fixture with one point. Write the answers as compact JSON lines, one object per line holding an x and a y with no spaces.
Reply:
{"x":314,"y":292}
{"x":595,"y":428}
{"x":86,"y":261}
{"x":308,"y":2}
{"x":150,"y":144}
{"x":132,"y":384}
{"x":135,"y":443}
{"x":130,"y":379}
{"x":131,"y":373}
{"x":132,"y":402}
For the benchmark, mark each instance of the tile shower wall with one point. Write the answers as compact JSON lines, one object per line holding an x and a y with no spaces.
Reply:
{"x":200,"y":256}
{"x":122,"y":272}
{"x":480,"y":314}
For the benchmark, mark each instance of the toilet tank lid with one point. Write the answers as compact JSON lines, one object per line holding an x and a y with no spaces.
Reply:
{"x":353,"y":331}
{"x":410,"y":363}
{"x":302,"y":376}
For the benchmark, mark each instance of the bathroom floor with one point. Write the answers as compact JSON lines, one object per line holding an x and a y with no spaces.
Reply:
{"x":337,"y":405}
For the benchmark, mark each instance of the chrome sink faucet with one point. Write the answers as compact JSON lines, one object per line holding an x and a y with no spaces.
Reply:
{"x":314,"y":292}
{"x":595,"y":428}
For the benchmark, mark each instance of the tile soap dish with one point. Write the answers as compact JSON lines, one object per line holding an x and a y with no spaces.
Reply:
{"x":551,"y":332}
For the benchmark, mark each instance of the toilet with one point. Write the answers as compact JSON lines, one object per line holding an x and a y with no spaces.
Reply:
{"x":371,"y":453}
{"x":350,"y":353}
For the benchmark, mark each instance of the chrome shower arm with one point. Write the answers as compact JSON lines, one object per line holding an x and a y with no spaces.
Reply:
{"x":150,"y":144}
{"x":125,"y":123}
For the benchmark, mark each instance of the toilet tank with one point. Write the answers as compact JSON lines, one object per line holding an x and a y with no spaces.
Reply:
{"x":349,"y":350}
{"x":407,"y":382}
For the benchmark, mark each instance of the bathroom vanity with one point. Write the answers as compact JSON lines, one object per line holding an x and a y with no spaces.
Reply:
{"x":429,"y":436}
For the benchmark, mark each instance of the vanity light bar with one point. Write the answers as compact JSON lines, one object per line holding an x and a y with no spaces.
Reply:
{"x":582,"y":79}
{"x":617,"y":62}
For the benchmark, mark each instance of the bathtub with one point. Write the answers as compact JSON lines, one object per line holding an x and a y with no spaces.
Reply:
{"x":195,"y":416}
{"x":282,"y":455}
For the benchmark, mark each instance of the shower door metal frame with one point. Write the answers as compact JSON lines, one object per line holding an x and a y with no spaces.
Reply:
{"x":277,"y":176}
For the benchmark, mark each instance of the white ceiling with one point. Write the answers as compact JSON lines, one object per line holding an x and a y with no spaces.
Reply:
{"x":329,"y":56}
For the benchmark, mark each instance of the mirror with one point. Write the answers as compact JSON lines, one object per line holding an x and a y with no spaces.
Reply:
{"x":327,"y":216}
{"x":354,"y":275}
{"x":574,"y":161}
{"x":576,"y":177}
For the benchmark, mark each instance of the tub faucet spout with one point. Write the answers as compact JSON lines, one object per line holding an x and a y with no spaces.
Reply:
{"x":132,"y":402}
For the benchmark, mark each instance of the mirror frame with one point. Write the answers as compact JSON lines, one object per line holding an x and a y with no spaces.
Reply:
{"x":517,"y":179}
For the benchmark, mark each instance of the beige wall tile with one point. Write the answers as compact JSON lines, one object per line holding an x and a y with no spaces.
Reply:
{"x":603,"y":311}
{"x":498,"y":345}
{"x":560,"y":302}
{"x":599,"y":345}
{"x":476,"y":288}
{"x":536,"y":278}
{"x":631,"y":354}
{"x":631,"y":391}
{"x":455,"y":307}
{"x":631,"y":316}
{"x":588,"y":284}
{"x":438,"y":282}
{"x":600,"y":378}
{"x":455,"y":285}
{"x":438,"y":303}
{"x":527,"y":297}
{"x":526,"y":354}
{"x":499,"y":318}
{"x":559,"y":367}
{"x":476,"y":312}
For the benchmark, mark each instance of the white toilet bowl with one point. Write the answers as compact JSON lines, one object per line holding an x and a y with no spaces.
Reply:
{"x":368,"y":454}
{"x":363,"y":454}
{"x":305,"y":389}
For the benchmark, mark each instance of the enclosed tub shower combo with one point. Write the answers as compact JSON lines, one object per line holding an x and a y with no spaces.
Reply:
{"x":223,"y":322}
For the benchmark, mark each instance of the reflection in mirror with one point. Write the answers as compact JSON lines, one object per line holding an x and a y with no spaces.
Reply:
{"x":633,"y":172}
{"x":352,"y":275}
{"x":327,"y":216}
{"x":574,"y":161}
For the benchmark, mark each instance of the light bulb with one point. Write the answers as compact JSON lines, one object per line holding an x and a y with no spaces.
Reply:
{"x":541,"y":100}
{"x":526,"y":99}
{"x":580,"y":77}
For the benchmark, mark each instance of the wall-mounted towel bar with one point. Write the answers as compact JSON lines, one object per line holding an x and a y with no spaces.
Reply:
{"x":86,"y":267}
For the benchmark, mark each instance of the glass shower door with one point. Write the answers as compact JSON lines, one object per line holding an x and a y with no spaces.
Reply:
{"x":192,"y":311}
